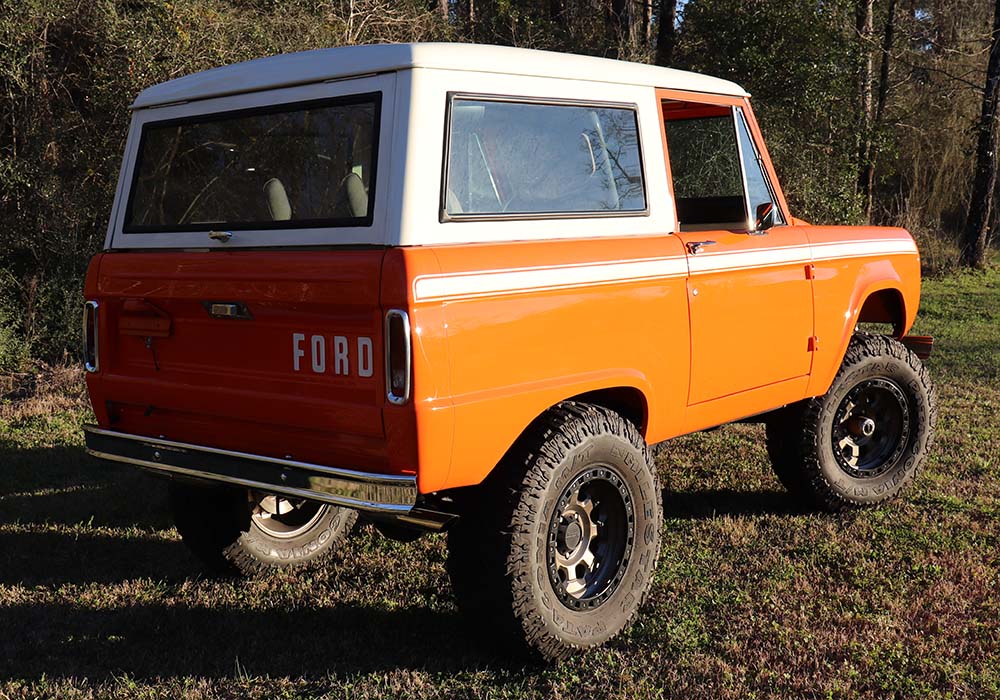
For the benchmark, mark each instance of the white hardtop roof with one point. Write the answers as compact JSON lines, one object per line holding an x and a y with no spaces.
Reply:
{"x":285,"y":70}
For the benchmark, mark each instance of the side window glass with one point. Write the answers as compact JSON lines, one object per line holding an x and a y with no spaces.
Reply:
{"x":510,"y":158}
{"x":705,"y":165}
{"x":758,"y":188}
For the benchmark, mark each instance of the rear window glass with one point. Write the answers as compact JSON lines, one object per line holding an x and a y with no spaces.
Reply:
{"x":310,"y":164}
{"x":526,"y":158}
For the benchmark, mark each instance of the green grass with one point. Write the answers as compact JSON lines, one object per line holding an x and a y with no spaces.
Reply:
{"x":753,"y":597}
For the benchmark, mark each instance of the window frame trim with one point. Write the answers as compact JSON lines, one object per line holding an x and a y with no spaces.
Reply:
{"x":375,"y":97}
{"x":740,"y":118}
{"x":445,"y":217}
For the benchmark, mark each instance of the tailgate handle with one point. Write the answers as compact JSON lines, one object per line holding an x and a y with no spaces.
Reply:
{"x":228,"y":309}
{"x":140,"y":317}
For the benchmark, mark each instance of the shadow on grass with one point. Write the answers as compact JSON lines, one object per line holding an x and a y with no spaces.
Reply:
{"x":65,"y":485}
{"x":702,"y":505}
{"x":157,"y":641}
{"x":68,"y":519}
{"x":57,"y":558}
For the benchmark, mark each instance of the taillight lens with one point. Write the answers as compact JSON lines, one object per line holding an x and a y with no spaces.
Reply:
{"x":90,"y":357}
{"x":397,"y":356}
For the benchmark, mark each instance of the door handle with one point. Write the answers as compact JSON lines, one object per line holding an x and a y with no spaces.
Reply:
{"x":695,"y":247}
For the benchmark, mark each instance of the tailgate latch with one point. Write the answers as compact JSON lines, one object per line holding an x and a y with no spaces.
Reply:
{"x":227,"y":309}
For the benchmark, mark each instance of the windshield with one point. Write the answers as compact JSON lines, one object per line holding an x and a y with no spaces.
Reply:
{"x":310,"y":164}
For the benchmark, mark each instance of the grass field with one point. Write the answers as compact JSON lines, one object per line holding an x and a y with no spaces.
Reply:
{"x":753,"y":597}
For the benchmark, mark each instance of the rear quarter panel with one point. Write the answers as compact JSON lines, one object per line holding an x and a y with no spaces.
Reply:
{"x":527,"y":325}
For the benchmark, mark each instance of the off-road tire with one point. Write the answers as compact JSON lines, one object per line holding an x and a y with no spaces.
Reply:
{"x":801,"y":438}
{"x":217,"y":526}
{"x":500,"y":554}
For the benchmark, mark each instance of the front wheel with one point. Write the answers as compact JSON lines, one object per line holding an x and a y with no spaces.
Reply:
{"x":559,"y":549}
{"x":865,"y":440}
{"x":248,"y":532}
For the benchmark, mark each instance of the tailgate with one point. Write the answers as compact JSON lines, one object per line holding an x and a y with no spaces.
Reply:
{"x":277,"y":353}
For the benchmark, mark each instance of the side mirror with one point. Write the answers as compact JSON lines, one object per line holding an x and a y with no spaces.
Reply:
{"x":764,"y":217}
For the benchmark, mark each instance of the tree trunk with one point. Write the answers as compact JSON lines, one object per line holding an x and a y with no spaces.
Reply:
{"x":868,"y":173}
{"x":618,"y":21}
{"x":647,"y":25}
{"x":995,"y":213}
{"x":439,"y":6}
{"x":865,"y":79}
{"x":977,"y":227}
{"x":666,"y":35}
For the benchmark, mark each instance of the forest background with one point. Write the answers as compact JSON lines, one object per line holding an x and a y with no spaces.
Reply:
{"x":873,"y":110}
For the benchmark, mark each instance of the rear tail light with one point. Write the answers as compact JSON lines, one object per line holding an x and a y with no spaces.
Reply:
{"x":397,"y":356}
{"x":90,"y":358}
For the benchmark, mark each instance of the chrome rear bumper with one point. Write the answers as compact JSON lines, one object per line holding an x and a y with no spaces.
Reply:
{"x":380,"y":495}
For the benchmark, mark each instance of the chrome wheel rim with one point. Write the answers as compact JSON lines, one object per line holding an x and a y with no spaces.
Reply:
{"x":871,"y":428}
{"x":590,"y":536}
{"x":282,"y":517}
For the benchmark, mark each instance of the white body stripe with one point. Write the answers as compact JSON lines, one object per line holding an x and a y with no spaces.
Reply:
{"x":537,"y":278}
{"x":708,"y":261}
{"x":861,"y":249}
{"x":532,"y":279}
{"x":747,"y":259}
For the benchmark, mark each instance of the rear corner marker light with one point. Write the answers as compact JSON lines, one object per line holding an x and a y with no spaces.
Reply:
{"x":397,"y":356}
{"x":90,"y":356}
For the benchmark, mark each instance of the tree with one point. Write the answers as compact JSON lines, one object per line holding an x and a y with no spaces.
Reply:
{"x":874,"y":122}
{"x":977,"y":226}
{"x":439,"y":6}
{"x":864,"y":29}
{"x":805,"y":94}
{"x":618,"y":22}
{"x":666,"y":34}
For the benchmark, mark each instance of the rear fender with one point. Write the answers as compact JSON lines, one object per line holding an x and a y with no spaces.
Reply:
{"x":510,"y":414}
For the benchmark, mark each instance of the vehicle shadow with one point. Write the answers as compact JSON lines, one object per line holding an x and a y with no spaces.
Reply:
{"x":68,"y":521}
{"x":713,"y":503}
{"x":151,"y":641}
{"x":66,"y":486}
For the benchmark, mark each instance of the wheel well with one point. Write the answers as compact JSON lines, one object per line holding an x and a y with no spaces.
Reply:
{"x":885,"y":306}
{"x":626,"y":401}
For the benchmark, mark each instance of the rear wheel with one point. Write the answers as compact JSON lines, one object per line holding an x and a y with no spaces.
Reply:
{"x":248,"y":532}
{"x":557,"y":552}
{"x":865,"y":440}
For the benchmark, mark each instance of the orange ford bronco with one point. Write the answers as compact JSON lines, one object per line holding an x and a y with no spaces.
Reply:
{"x":464,"y":288}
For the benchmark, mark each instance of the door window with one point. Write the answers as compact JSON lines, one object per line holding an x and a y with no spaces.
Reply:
{"x":717,"y":172}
